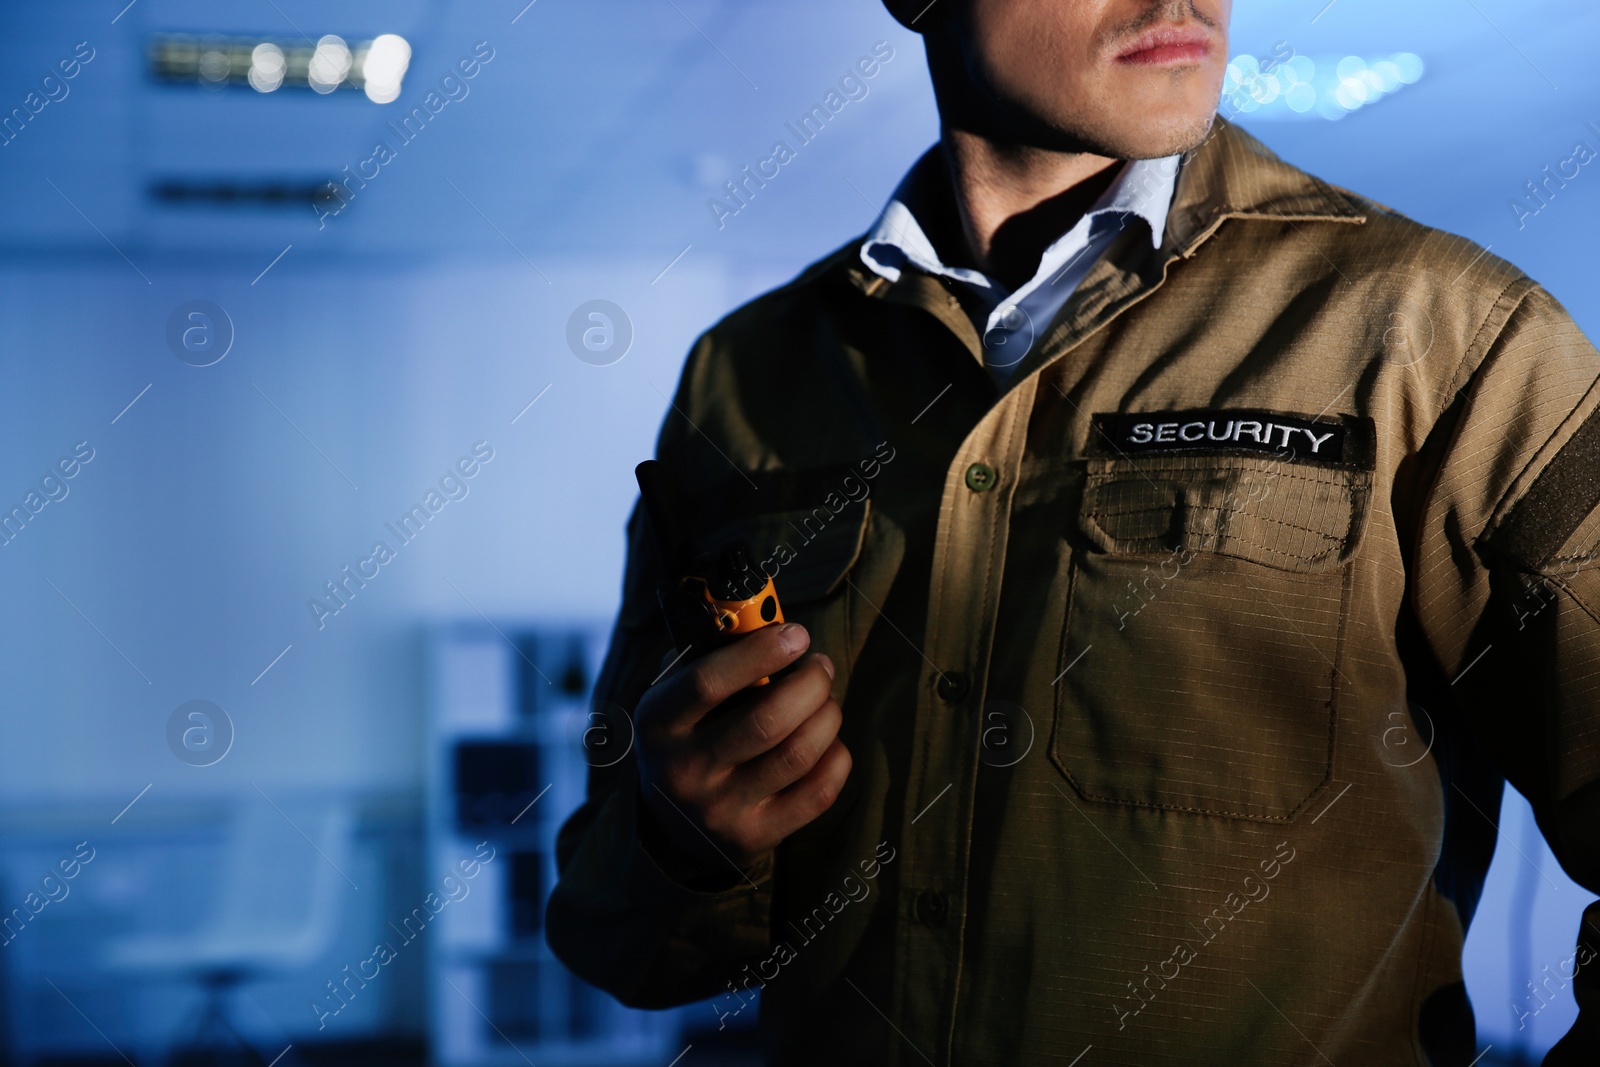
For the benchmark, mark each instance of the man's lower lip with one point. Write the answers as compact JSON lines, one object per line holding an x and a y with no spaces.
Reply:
{"x":1166,"y":53}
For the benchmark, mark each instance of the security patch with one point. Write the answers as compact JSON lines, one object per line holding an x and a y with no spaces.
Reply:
{"x":1327,"y":440}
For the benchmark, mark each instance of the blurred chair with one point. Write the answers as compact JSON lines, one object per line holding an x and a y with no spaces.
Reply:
{"x":278,"y":895}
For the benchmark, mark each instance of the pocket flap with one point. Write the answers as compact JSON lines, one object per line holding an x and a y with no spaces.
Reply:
{"x":1294,"y":516}
{"x":807,"y":552}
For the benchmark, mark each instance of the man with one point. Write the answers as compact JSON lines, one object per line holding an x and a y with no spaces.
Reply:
{"x":1162,"y":682}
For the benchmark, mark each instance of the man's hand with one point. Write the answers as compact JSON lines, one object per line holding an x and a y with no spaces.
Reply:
{"x":728,"y":769}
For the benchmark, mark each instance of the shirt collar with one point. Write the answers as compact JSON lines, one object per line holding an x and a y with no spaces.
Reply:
{"x":1229,"y":175}
{"x":1143,"y":189}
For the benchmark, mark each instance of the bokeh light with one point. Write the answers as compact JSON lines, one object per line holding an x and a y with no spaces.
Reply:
{"x":330,"y":64}
{"x":1301,"y":87}
{"x":267,"y":67}
{"x":383,"y":66}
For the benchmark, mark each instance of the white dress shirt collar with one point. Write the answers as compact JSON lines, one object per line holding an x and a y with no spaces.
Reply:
{"x":1142,"y":190}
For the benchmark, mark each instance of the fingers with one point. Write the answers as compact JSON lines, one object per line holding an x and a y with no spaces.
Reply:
{"x":708,"y":681}
{"x":766,"y":762}
{"x":812,"y":795}
{"x":767,"y":716}
{"x":792,"y":758}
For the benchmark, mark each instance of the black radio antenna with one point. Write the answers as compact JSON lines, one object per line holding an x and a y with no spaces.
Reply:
{"x":663,"y":507}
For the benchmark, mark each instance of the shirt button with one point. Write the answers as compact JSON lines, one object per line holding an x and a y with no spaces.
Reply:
{"x":951,"y":686}
{"x":930,"y":908}
{"x":981,"y":477}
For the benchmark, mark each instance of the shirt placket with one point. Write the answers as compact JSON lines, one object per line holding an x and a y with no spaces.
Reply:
{"x":936,"y":826}
{"x":964,"y":594}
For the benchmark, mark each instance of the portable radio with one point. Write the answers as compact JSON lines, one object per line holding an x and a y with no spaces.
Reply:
{"x":711,"y":598}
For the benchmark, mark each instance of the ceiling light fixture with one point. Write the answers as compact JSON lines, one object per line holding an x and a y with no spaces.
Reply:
{"x":377,"y":66}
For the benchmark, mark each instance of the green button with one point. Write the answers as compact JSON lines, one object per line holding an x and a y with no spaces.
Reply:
{"x":981,"y":477}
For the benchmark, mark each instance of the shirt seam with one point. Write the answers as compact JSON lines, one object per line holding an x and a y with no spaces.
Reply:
{"x":1476,"y":347}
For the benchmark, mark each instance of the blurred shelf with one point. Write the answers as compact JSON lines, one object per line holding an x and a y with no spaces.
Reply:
{"x":507,"y":709}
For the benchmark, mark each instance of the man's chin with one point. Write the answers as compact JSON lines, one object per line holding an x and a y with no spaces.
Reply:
{"x":1150,"y":138}
{"x":1185,"y":135}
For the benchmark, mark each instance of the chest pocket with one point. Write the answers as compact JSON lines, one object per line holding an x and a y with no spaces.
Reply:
{"x":810,"y":555}
{"x":1205,"y":631}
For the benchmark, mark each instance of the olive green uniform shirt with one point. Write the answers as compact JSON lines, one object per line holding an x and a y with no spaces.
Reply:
{"x":1181,"y":674}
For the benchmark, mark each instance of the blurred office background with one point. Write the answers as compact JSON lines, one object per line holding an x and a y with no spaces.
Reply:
{"x":252,"y":381}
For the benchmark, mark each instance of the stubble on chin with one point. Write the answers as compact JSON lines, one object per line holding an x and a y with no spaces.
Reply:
{"x":1189,"y":135}
{"x":1174,"y":136}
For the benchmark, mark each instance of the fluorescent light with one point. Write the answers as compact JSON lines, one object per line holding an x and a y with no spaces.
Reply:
{"x":377,"y":66}
{"x":267,"y":66}
{"x":329,"y":64}
{"x":384,"y":67}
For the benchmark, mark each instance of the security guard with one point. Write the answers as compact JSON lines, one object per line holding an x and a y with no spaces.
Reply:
{"x":1187,"y":550}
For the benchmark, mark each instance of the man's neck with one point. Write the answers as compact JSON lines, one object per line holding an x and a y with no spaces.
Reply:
{"x":1013,"y":202}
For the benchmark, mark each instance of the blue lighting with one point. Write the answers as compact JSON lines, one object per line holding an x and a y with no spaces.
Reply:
{"x":1275,"y":87}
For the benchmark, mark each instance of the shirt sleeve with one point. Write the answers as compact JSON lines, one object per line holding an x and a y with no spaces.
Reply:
{"x":1506,"y":585}
{"x":615,"y":917}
